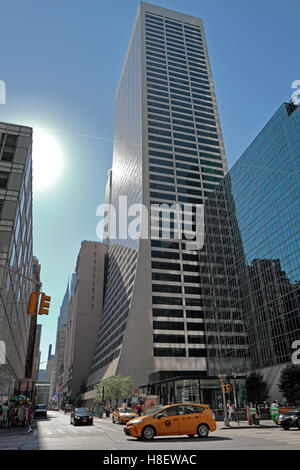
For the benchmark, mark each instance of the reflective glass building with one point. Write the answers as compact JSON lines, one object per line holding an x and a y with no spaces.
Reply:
{"x":252,"y":223}
{"x":168,"y":148}
{"x":16,"y":259}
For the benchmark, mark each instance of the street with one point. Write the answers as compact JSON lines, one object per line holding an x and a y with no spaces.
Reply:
{"x":56,"y":433}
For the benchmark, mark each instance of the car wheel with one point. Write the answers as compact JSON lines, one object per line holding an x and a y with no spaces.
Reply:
{"x":286,"y":427}
{"x":148,"y":433}
{"x":203,"y":430}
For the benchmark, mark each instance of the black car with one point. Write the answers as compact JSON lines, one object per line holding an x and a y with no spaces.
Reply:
{"x":40,"y":411}
{"x":291,"y":419}
{"x":81,"y":416}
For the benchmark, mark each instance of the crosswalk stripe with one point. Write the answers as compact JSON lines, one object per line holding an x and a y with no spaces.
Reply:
{"x":60,"y":430}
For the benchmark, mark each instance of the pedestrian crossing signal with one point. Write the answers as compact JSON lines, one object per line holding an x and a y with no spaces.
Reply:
{"x":44,"y":305}
{"x":227,"y":388}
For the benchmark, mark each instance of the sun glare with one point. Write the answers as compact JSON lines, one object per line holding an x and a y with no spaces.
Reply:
{"x":47,"y":160}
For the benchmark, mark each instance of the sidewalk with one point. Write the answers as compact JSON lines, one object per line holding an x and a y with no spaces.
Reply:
{"x":268,"y":423}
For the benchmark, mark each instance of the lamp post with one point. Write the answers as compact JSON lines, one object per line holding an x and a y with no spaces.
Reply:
{"x":234,"y":395}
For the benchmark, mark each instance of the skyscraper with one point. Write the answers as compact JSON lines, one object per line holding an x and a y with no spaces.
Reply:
{"x":256,"y":210}
{"x":85,"y":310}
{"x":16,"y":258}
{"x":168,"y":148}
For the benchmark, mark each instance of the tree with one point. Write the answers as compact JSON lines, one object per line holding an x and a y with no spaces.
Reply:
{"x":256,"y":388}
{"x":114,"y":388}
{"x":289,"y":383}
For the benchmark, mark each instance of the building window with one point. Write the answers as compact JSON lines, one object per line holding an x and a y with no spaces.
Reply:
{"x":8,"y":146}
{"x":3,"y":179}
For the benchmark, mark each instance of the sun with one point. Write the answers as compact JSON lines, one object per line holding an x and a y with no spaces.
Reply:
{"x":47,"y":160}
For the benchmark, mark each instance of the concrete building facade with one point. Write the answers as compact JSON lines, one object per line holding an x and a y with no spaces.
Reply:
{"x":85,"y":310}
{"x":168,"y":149}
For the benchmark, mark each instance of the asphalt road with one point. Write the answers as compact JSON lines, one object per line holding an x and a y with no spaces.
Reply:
{"x":56,"y":433}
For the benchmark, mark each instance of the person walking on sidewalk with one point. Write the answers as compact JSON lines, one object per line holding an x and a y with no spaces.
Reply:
{"x":107,"y":411}
{"x":257,"y":414}
{"x":230,"y":410}
{"x":4,"y":415}
{"x":138,"y":409}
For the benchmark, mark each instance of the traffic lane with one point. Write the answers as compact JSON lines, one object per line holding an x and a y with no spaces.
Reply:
{"x":246,"y":437}
{"x":56,"y":432}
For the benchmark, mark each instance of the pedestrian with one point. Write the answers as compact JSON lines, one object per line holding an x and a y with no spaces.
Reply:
{"x":257,"y":413}
{"x":30,"y":418}
{"x":138,"y":409}
{"x":230,"y":410}
{"x":4,"y":416}
{"x":107,"y":411}
{"x":275,"y":404}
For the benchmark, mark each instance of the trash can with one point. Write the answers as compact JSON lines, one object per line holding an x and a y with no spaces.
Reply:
{"x":274,"y":412}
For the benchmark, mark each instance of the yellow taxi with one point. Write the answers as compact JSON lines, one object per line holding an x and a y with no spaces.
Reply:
{"x":173,"y":420}
{"x":122,"y":415}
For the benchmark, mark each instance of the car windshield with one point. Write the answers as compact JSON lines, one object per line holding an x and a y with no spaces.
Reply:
{"x":82,"y":411}
{"x":151,"y":411}
{"x":123,"y":410}
{"x":41,"y":407}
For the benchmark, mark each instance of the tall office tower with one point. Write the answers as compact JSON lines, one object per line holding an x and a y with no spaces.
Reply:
{"x":260,"y":288}
{"x":61,"y":337}
{"x":85,"y":310}
{"x":168,"y":148}
{"x":16,"y":258}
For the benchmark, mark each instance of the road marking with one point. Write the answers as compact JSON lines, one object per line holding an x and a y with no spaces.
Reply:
{"x":60,"y":430}
{"x":74,"y":430}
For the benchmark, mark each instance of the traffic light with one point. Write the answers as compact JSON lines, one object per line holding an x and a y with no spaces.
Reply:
{"x":44,"y":305}
{"x":32,"y":303}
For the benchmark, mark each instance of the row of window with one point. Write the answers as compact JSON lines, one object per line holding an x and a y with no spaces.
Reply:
{"x":178,"y":339}
{"x":159,"y":20}
{"x":181,"y":52}
{"x":8,"y":145}
{"x":174,"y":352}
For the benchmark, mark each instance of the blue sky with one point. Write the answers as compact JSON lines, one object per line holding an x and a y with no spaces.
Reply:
{"x":61,"y":61}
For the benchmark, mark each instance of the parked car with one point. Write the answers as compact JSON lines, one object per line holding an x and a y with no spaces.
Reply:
{"x":291,"y":419}
{"x":40,"y":411}
{"x":122,"y":415}
{"x":173,"y":420}
{"x":81,"y":416}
